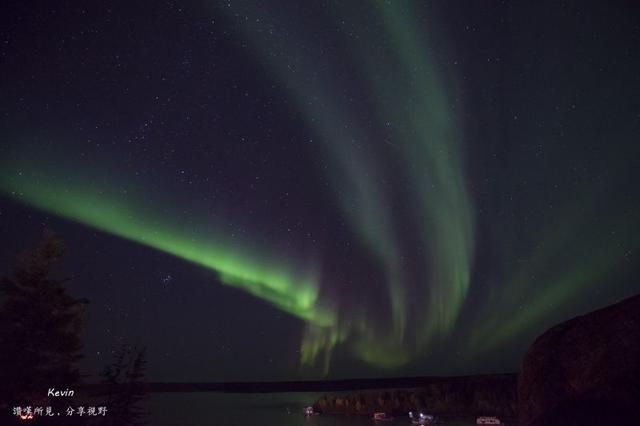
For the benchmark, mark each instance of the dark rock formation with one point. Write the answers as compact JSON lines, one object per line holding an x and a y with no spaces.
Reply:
{"x":452,"y":396}
{"x":585,"y":370}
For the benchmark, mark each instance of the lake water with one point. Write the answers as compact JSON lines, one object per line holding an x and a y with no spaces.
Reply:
{"x":219,"y":409}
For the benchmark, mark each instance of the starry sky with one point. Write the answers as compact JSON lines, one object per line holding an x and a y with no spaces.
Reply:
{"x":285,"y":190}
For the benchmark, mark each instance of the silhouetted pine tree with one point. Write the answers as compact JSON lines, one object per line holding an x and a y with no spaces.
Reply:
{"x":126,"y":396}
{"x":40,"y":325}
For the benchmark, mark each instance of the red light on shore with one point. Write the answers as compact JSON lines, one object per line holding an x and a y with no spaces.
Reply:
{"x":26,"y":416}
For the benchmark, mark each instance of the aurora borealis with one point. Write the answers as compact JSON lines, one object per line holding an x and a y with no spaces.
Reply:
{"x":340,"y":189}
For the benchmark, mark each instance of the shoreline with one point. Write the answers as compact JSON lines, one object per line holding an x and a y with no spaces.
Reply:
{"x":381,"y":384}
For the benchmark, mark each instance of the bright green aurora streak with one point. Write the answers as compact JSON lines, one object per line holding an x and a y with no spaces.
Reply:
{"x":296,"y":294}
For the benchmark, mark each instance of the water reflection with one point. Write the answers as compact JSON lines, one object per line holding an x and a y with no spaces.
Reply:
{"x":278,"y":409}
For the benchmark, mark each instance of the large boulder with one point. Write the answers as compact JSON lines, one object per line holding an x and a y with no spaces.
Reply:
{"x":584,"y":371}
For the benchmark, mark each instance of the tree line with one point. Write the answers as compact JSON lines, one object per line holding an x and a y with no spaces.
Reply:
{"x":41,"y":327}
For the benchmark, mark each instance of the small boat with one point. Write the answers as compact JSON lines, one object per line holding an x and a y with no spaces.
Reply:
{"x":308,"y":411}
{"x":381,"y":417}
{"x":488,"y":420}
{"x":421,"y":418}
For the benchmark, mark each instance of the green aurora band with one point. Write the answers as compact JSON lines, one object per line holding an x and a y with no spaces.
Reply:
{"x":427,"y":147}
{"x":99,"y":208}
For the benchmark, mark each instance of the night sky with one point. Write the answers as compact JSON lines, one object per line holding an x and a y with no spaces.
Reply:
{"x":281,"y":190}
